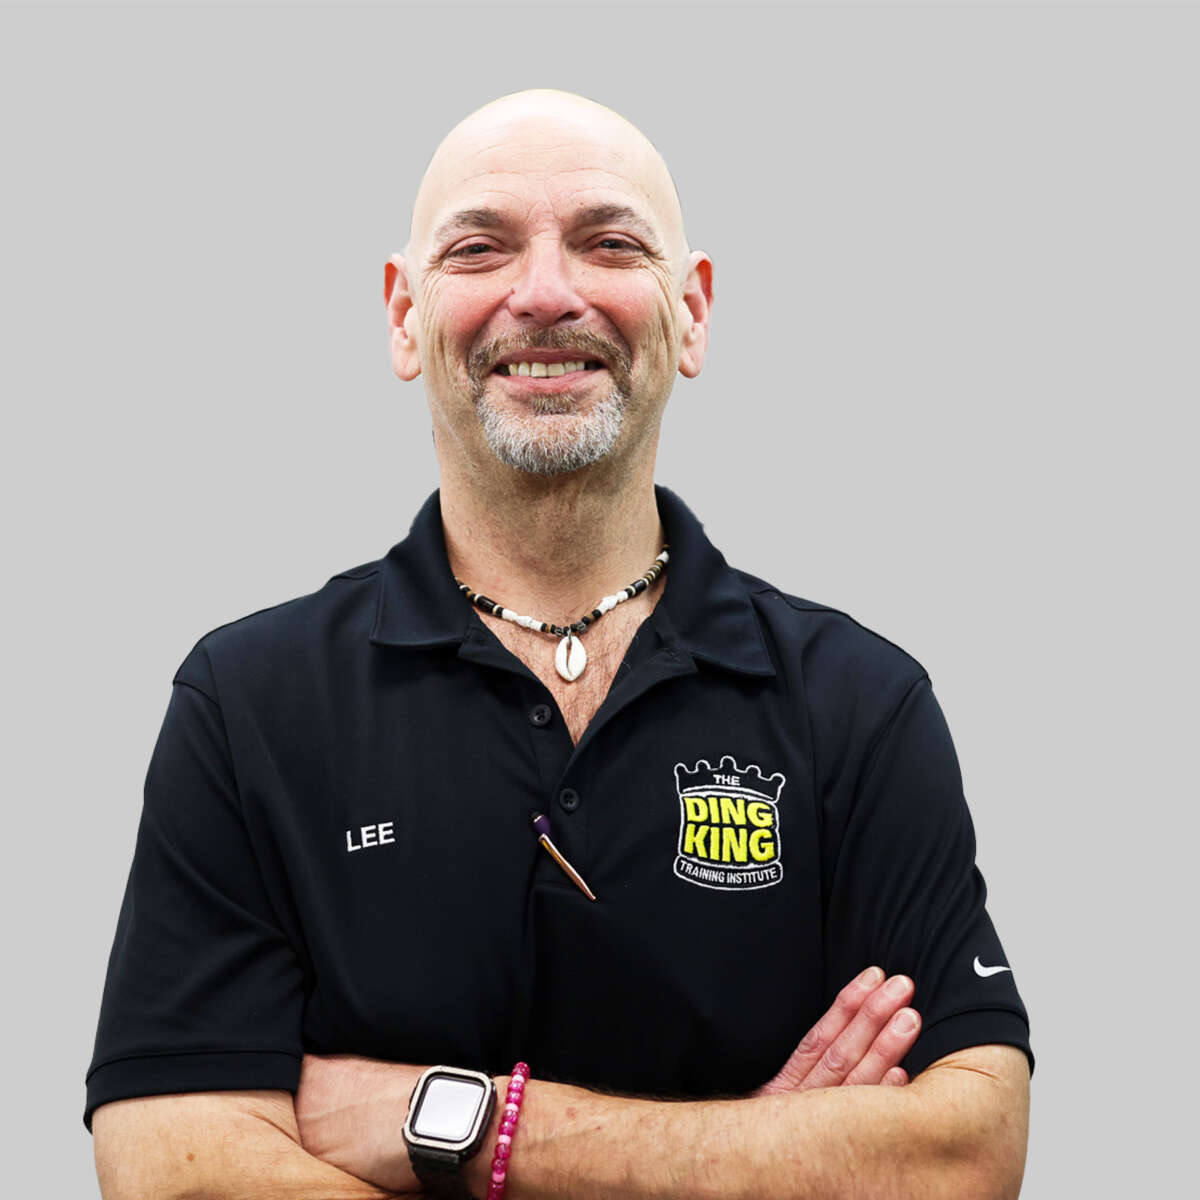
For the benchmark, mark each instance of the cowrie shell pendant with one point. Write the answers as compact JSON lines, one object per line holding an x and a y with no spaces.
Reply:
{"x":570,"y":658}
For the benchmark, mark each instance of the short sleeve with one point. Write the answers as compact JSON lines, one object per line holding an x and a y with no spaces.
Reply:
{"x":204,"y":991}
{"x":906,"y":893}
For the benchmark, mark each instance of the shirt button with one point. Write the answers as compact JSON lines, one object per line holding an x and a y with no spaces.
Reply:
{"x":569,"y":799}
{"x":540,"y":714}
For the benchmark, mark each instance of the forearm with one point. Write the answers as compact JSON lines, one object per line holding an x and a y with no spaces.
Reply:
{"x":881,"y":1143}
{"x":221,"y":1146}
{"x":821,"y":1127}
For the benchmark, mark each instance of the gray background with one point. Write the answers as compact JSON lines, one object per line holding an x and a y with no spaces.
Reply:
{"x":954,"y":340}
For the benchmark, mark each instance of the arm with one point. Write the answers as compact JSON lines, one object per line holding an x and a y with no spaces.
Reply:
{"x":218,"y":1145}
{"x":957,"y":1131}
{"x":350,"y":1110}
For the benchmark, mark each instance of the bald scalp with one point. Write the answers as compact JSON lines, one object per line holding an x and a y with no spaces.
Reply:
{"x":549,"y":110}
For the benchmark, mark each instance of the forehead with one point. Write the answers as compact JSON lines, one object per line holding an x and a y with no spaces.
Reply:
{"x":539,"y":170}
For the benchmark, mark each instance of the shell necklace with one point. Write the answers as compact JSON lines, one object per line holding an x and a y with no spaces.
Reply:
{"x":570,"y":658}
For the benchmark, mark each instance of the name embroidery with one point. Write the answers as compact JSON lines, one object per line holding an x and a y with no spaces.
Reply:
{"x":370,"y":835}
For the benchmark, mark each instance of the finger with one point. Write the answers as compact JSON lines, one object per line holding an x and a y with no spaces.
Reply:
{"x":896,"y":1077}
{"x":823,"y":1034}
{"x":854,"y":1042}
{"x":895,"y":1040}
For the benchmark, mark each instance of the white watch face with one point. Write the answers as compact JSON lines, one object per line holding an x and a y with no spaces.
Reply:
{"x":448,"y":1108}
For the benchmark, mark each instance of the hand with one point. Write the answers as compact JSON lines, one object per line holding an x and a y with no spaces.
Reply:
{"x":856,"y":1041}
{"x":350,"y":1111}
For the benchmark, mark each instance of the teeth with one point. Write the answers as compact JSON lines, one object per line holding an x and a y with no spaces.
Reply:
{"x":542,"y":370}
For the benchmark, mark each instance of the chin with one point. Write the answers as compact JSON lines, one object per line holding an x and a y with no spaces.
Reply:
{"x":573,"y":443}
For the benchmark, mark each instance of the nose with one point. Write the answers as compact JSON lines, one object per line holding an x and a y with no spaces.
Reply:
{"x":545,"y":292}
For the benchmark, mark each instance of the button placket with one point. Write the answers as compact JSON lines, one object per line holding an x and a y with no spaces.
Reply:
{"x":549,"y":746}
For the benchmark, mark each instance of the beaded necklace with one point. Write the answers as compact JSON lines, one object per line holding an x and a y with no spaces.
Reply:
{"x":570,"y":658}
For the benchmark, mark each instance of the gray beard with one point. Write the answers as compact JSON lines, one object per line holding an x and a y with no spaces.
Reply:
{"x":539,"y":446}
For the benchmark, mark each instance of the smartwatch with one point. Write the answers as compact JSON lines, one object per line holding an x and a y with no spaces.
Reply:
{"x":448,"y":1118}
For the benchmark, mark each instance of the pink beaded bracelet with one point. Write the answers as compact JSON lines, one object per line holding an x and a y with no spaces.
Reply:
{"x":508,"y":1126}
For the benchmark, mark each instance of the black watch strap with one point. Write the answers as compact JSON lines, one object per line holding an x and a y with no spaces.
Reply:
{"x":440,"y":1173}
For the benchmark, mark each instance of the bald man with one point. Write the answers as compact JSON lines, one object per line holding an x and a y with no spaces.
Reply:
{"x":547,"y":297}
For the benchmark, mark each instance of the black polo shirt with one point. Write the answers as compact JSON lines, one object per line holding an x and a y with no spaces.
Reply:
{"x":335,"y":852}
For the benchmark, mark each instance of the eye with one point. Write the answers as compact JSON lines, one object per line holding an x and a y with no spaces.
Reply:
{"x":467,"y":250}
{"x":619,"y":243}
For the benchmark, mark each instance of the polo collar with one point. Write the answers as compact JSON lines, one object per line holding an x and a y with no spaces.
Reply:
{"x":705,"y":608}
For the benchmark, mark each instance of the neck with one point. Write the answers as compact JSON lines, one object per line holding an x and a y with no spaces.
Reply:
{"x":551,"y":547}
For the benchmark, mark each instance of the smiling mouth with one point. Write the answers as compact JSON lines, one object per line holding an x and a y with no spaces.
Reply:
{"x":541,"y":370}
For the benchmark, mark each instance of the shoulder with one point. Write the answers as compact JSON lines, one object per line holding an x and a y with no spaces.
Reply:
{"x":285,"y":638}
{"x":821,"y":641}
{"x":847,"y":682}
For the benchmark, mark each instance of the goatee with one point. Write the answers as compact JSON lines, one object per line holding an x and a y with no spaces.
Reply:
{"x":554,"y":437}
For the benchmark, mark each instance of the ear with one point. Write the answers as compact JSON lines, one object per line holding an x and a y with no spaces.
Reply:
{"x":696,"y":305}
{"x":402,"y":316}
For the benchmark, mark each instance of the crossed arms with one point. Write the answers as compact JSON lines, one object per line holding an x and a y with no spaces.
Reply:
{"x":958,"y":1130}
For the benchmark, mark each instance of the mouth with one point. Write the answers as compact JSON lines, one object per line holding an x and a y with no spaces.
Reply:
{"x":548,"y":372}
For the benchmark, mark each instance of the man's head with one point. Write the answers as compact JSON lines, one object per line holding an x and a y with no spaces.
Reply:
{"x":547,"y":227}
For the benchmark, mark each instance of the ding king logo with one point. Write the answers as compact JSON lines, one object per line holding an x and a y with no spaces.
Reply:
{"x":728,"y":826}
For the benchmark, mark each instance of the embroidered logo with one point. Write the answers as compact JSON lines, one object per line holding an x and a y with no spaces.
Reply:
{"x":728,"y":826}
{"x":983,"y":972}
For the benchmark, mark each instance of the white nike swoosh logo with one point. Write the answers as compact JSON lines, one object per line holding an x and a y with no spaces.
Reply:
{"x":983,"y":972}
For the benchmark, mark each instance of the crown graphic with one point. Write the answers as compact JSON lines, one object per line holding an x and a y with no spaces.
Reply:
{"x":703,"y":777}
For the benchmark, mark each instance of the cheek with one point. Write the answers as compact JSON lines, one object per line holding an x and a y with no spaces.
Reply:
{"x":664,"y":320}
{"x":448,"y":334}
{"x":640,"y":312}
{"x":453,"y":316}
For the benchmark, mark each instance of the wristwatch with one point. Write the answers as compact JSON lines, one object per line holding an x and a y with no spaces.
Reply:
{"x":447,"y":1122}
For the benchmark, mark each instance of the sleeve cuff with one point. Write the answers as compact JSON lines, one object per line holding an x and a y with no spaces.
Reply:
{"x":980,"y":1028}
{"x":199,"y":1071}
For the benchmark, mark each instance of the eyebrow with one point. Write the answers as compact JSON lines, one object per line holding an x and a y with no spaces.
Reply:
{"x":596,"y":214}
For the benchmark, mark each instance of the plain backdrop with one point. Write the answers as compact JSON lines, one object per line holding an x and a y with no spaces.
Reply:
{"x":951,"y":387}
